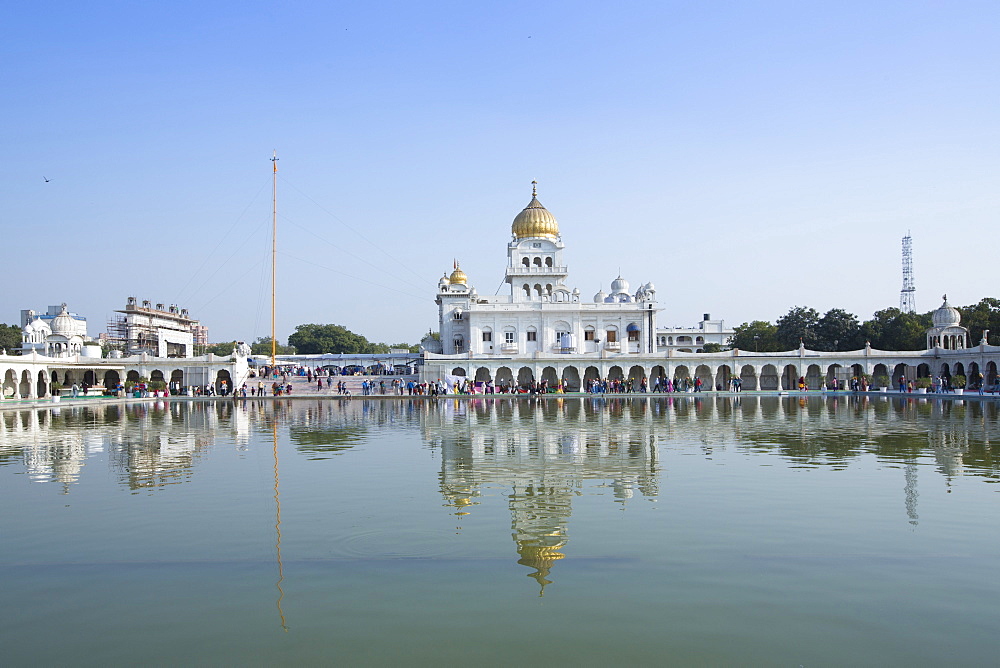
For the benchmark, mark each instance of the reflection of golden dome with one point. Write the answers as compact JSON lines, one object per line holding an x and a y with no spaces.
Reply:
{"x":458,"y":277}
{"x":540,"y":557}
{"x":535,"y":221}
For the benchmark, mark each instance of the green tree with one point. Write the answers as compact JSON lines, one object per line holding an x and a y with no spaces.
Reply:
{"x":262,"y":346}
{"x":797,"y":326}
{"x":712,"y":348}
{"x":980,"y":317}
{"x":758,"y":335}
{"x":10,"y":339}
{"x":222,"y":349}
{"x":891,"y":329}
{"x":838,"y":330}
{"x":319,"y":339}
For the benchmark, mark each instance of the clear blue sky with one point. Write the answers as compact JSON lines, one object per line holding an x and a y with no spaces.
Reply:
{"x":744,"y":156}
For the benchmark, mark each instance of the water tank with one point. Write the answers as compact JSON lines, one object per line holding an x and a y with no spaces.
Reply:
{"x":91,"y":351}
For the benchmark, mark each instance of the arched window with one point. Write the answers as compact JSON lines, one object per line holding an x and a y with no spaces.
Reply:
{"x":459,"y":344}
{"x":538,"y":290}
{"x":700,"y":339}
{"x":589,"y":333}
{"x":670,"y":340}
{"x":527,"y":290}
{"x":487,"y":335}
{"x":526,"y":262}
{"x":538,"y":262}
{"x":633,"y":331}
{"x":548,"y":262}
{"x":532,"y":334}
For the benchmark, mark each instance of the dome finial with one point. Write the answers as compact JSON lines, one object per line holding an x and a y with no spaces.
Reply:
{"x":534,"y":188}
{"x":944,"y":297}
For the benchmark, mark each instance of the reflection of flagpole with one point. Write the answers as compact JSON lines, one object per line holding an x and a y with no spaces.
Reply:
{"x":277,"y":519}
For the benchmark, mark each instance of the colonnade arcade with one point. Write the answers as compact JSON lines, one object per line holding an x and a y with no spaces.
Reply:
{"x":757,"y":375}
{"x":22,"y":381}
{"x":35,"y":381}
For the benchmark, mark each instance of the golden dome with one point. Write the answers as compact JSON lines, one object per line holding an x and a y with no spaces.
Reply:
{"x":535,"y":220}
{"x":458,"y":277}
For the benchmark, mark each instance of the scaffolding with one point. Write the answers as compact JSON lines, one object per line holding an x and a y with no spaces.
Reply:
{"x":137,"y":329}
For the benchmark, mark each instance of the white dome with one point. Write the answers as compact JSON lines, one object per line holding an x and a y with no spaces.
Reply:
{"x":947,"y":315}
{"x":63,"y":323}
{"x":619,"y":285}
{"x":600,"y":297}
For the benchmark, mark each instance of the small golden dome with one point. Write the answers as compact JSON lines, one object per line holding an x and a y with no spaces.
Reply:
{"x":535,"y":221}
{"x":458,"y":277}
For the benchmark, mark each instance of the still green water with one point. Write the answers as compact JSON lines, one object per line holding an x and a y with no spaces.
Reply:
{"x":722,"y":531}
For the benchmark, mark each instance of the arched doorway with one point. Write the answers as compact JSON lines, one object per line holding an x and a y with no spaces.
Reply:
{"x":748,"y":377}
{"x":814,"y":377}
{"x":25,"y":384}
{"x":880,"y":376}
{"x":176,"y":381}
{"x":525,"y":377}
{"x":635,"y":376}
{"x":590,"y":375}
{"x":705,"y":374}
{"x":898,"y":373}
{"x":223,"y":382}
{"x":41,"y":389}
{"x":790,"y":377}
{"x":9,"y":383}
{"x":458,"y":371}
{"x":482,"y":374}
{"x":975,"y":377}
{"x":571,"y":379}
{"x":549,"y":377}
{"x":505,"y":377}
{"x":722,"y":377}
{"x":111,"y":380}
{"x":769,"y":377}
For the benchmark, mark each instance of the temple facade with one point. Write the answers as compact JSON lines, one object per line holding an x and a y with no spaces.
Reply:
{"x":545,"y":330}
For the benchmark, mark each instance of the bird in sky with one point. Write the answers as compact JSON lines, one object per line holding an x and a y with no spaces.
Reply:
{"x":46,"y":180}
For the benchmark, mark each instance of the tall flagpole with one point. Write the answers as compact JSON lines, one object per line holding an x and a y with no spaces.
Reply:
{"x":274,"y":248}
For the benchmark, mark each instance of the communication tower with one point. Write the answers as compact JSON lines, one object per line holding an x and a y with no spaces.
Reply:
{"x":908,"y":295}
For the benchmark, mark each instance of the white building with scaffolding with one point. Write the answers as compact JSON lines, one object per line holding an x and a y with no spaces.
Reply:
{"x":160,"y":331}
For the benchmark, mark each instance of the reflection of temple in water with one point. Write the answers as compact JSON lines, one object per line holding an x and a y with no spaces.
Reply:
{"x":543,"y":452}
{"x":147,"y":445}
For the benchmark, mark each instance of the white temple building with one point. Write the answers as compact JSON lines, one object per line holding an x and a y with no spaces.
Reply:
{"x":543,"y":314}
{"x":56,"y":333}
{"x":545,"y":330}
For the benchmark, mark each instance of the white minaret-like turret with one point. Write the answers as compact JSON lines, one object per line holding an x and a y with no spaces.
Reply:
{"x":535,"y":268}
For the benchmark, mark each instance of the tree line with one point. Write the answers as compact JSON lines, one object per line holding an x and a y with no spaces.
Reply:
{"x":315,"y":339}
{"x":838,"y":330}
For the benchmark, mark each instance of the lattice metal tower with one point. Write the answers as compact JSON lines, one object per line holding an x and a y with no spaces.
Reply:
{"x":908,"y":295}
